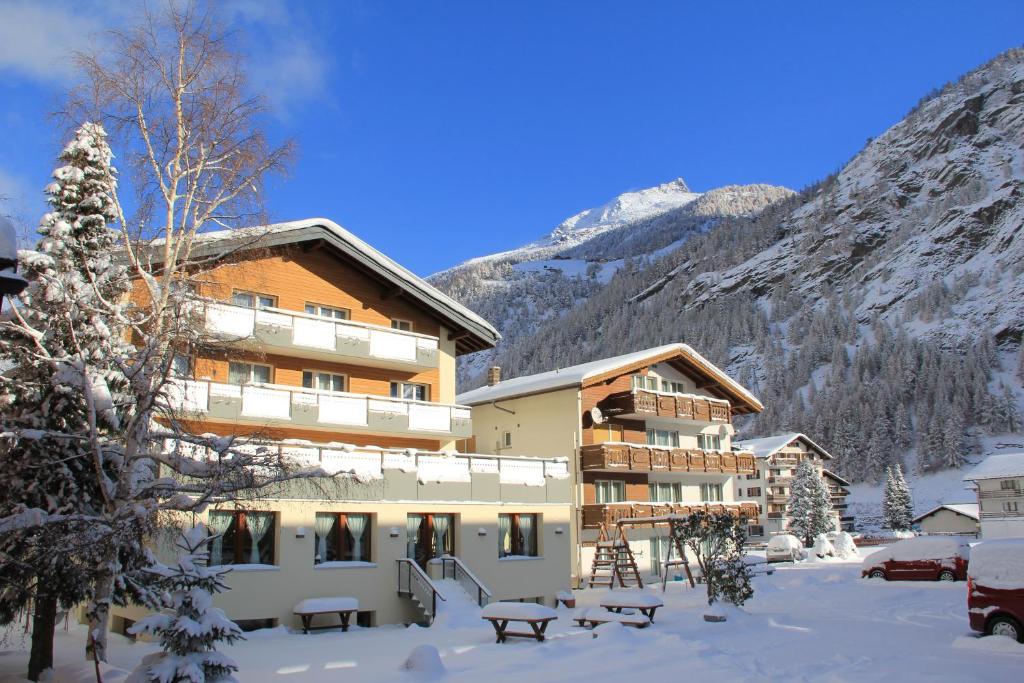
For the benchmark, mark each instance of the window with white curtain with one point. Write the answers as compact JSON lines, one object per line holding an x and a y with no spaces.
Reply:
{"x":711,"y":493}
{"x":253,"y":300}
{"x":663,"y":437}
{"x":517,"y":535}
{"x":245,"y":537}
{"x":610,"y":491}
{"x":709,"y":442}
{"x":323,"y":381}
{"x":327,"y":311}
{"x":342,"y":537}
{"x":248,"y":373}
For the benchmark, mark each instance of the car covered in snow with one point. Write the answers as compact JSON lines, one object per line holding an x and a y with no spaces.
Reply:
{"x":995,"y":588}
{"x":923,"y":558}
{"x":784,"y":548}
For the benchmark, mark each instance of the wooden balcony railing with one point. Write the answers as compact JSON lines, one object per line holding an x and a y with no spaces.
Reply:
{"x":641,"y":403}
{"x":617,"y":456}
{"x":610,"y":514}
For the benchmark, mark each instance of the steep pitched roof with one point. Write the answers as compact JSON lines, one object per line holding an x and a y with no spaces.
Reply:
{"x":472,"y":332}
{"x":833,"y":475}
{"x":965,"y":509}
{"x":587,"y":374}
{"x":770,"y":445}
{"x":1002,"y":466}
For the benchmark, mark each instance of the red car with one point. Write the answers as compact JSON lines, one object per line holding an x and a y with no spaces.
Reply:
{"x":924,"y":558}
{"x":995,"y":588}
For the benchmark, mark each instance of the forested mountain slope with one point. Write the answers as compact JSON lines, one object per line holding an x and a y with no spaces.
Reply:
{"x":520,"y":289}
{"x":880,"y":310}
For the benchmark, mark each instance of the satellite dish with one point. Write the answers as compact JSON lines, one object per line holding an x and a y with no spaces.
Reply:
{"x":596,"y":416}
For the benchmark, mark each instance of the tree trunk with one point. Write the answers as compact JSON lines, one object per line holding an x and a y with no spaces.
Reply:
{"x":44,"y":623}
{"x":99,"y":616}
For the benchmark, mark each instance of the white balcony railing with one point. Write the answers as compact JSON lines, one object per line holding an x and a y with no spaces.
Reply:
{"x":314,"y":332}
{"x":328,"y":408}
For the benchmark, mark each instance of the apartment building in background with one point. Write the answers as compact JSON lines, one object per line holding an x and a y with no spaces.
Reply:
{"x":998,"y":482}
{"x":647,"y":433}
{"x":338,"y":357}
{"x":770,"y":485}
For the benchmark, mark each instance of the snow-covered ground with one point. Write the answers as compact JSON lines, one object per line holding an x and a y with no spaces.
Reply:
{"x":808,"y":622}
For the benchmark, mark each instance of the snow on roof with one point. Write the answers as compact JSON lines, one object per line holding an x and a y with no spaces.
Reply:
{"x":965,"y":509}
{"x":835,"y":476}
{"x":576,"y":375}
{"x":770,"y":445}
{"x":319,"y":228}
{"x":1001,"y":466}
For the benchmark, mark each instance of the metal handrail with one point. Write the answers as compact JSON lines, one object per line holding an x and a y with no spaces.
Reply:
{"x":422,"y":583}
{"x":460,"y":572}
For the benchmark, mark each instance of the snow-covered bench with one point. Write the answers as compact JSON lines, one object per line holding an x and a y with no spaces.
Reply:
{"x":309,"y":608}
{"x":616,"y":601}
{"x":501,"y":614}
{"x":595,"y":616}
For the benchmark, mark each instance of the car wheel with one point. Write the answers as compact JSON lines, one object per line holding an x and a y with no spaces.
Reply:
{"x":876,"y":574}
{"x":1006,"y":626}
{"x":946,"y":575}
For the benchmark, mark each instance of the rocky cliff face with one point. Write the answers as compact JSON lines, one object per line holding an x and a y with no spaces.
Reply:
{"x":880,"y":310}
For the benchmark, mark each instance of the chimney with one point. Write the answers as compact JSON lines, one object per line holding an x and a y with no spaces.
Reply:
{"x":493,"y":375}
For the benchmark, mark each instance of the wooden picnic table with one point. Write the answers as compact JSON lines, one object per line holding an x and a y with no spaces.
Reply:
{"x":647,"y":604}
{"x":502,"y":614}
{"x":343,"y":607}
{"x":595,"y":616}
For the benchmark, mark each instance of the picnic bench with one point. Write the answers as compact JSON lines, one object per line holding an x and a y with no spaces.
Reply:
{"x":501,"y":614}
{"x":343,"y":607}
{"x":595,"y":616}
{"x":646,"y":603}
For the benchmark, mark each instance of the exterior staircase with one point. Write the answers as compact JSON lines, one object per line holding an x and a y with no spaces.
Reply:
{"x":614,"y":561}
{"x":460,"y":590}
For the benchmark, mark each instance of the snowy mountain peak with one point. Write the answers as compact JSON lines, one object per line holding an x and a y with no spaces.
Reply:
{"x":627,"y":208}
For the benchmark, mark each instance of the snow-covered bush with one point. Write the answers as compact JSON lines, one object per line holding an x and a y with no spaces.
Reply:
{"x":189,"y":636}
{"x":844,"y":546}
{"x":717,"y":543}
{"x":823,"y":547}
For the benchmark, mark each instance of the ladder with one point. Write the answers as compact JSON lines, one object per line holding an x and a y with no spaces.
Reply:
{"x":614,"y":561}
{"x":681,"y":561}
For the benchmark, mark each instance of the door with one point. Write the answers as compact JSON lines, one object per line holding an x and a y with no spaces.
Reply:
{"x":433,"y":538}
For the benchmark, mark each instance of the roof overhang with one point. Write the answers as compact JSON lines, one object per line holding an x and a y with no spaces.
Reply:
{"x":469,"y":331}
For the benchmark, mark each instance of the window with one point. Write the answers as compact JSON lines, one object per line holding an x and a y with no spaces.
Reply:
{"x":1010,"y":506}
{"x":1009,"y":485}
{"x":506,"y":439}
{"x":327,"y":311}
{"x":711,"y":493}
{"x":248,"y":373}
{"x":404,"y":325}
{"x":253,"y":300}
{"x":755,"y":530}
{"x":755,"y":475}
{"x":610,"y":491}
{"x":659,"y":551}
{"x":408,"y":390}
{"x":662,"y":437}
{"x":754,"y":492}
{"x":663,"y":492}
{"x":342,"y":537}
{"x":245,"y":537}
{"x":429,"y":536}
{"x":709,"y":442}
{"x":181,"y":365}
{"x":643,"y":382}
{"x":323,"y":381}
{"x":670,"y":387}
{"x":517,"y":535}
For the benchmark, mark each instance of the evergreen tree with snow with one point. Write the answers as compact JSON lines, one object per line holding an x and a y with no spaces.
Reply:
{"x":58,"y":397}
{"x":191,"y":627}
{"x":897,"y":504}
{"x":810,"y":504}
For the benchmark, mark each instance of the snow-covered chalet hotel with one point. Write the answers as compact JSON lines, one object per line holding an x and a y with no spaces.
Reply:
{"x":999,"y":483}
{"x":344,"y":359}
{"x":777,"y":459}
{"x":648,"y":434}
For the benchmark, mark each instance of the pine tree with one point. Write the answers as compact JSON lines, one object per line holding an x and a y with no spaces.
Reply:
{"x":904,"y":500}
{"x":810,"y":504}
{"x":188,"y":637}
{"x":61,"y":355}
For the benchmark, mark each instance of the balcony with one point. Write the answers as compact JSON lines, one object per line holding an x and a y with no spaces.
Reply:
{"x":617,"y":456}
{"x":780,"y":480}
{"x":775,"y":515}
{"x":307,"y":336}
{"x":286,"y":406}
{"x":609,"y":514}
{"x":778,"y":497}
{"x":641,"y":404}
{"x":1002,"y":493}
{"x":403,"y":475}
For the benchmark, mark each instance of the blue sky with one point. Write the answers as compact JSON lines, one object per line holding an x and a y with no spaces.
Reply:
{"x":446,"y":130}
